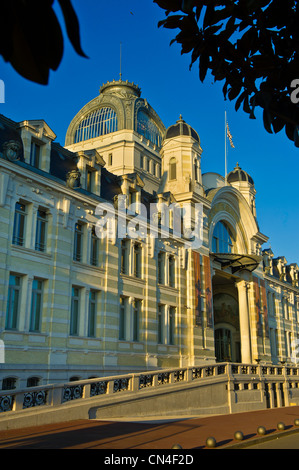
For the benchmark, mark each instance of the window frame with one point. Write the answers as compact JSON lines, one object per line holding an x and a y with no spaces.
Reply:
{"x":12,"y":312}
{"x":171,"y":271}
{"x":35,"y":154}
{"x":124,"y":257}
{"x":172,"y":169}
{"x":19,"y":227}
{"x":75,"y":311}
{"x":137,"y":306}
{"x":78,"y":242}
{"x":36,"y":316}
{"x":99,"y":122}
{"x":94,"y":248}
{"x":92,"y":313}
{"x":171,"y":325}
{"x":137,"y":260}
{"x":223,"y":240}
{"x":122,"y":327}
{"x":41,"y":231}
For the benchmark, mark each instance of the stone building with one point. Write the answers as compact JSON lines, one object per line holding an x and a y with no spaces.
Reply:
{"x":79,"y":302}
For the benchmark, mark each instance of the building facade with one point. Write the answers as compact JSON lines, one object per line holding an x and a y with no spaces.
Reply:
{"x":77,"y":300}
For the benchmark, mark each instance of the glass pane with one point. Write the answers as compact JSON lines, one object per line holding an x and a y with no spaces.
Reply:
{"x":171,"y":324}
{"x":92,"y":314}
{"x":78,"y":243}
{"x":136,"y":321}
{"x":160,"y":324}
{"x":74,"y":326}
{"x":222,"y":239}
{"x":19,"y":228}
{"x":122,"y":324}
{"x":41,"y":231}
{"x":147,"y":127}
{"x":137,"y":260}
{"x":12,"y":308}
{"x":100,"y":122}
{"x":36,"y":306}
{"x":171,"y":272}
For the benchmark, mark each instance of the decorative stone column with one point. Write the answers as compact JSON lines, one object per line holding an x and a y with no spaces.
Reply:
{"x":244,"y":323}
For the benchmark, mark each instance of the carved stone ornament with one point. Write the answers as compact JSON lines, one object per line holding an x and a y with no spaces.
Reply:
{"x":11,"y":150}
{"x":73,"y":179}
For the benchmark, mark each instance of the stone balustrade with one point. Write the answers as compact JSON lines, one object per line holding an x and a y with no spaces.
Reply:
{"x":239,"y":377}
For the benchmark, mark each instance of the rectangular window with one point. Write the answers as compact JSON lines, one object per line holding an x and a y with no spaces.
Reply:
{"x":136,"y":319}
{"x":125,"y":257}
{"x":122,"y":319}
{"x":172,"y":169}
{"x":75,"y":312}
{"x":160,"y":328}
{"x":19,"y":224}
{"x":171,"y":325}
{"x":35,"y":155}
{"x":41,"y":231}
{"x":89,"y":180}
{"x":161,"y":268}
{"x":137,"y":260}
{"x":110,"y":161}
{"x":94,"y":248}
{"x":78,"y":242}
{"x":92,"y":314}
{"x":171,"y":266}
{"x":141,"y":162}
{"x":36,"y":305}
{"x":13,"y":303}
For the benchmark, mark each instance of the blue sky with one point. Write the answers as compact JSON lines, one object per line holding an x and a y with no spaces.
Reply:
{"x":171,"y":89}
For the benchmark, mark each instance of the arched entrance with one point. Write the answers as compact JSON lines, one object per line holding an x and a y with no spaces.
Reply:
{"x":226,"y":319}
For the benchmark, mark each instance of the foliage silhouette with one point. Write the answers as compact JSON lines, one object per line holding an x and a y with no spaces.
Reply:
{"x":31,"y":38}
{"x":250,"y":44}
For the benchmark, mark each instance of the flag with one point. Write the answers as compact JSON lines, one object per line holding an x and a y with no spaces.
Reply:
{"x":230,"y":136}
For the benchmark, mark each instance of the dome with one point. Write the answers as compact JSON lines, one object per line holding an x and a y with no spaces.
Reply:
{"x":119,"y":106}
{"x":121,"y":86}
{"x":239,"y":175}
{"x":181,"y":128}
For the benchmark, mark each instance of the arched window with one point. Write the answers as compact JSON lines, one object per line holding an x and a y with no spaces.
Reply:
{"x":100,"y":122}
{"x":222,"y":239}
{"x":33,"y":382}
{"x":172,"y":169}
{"x":147,"y":127}
{"x":9,"y":383}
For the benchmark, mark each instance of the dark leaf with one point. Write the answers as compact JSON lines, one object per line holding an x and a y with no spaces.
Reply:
{"x":203,"y":66}
{"x":72,"y":25}
{"x":239,"y":100}
{"x":172,"y":22}
{"x":234,"y":92}
{"x":267,"y":121}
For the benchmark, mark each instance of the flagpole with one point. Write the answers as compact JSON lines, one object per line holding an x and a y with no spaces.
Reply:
{"x":225,"y":149}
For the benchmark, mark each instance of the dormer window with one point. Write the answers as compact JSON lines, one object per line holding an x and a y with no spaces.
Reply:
{"x":35,"y":155}
{"x":90,"y":179}
{"x":132,"y":197}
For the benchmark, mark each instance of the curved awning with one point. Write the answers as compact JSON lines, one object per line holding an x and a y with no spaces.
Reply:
{"x":237,"y":262}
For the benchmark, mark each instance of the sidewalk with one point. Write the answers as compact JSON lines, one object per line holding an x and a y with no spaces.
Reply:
{"x":189,"y":433}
